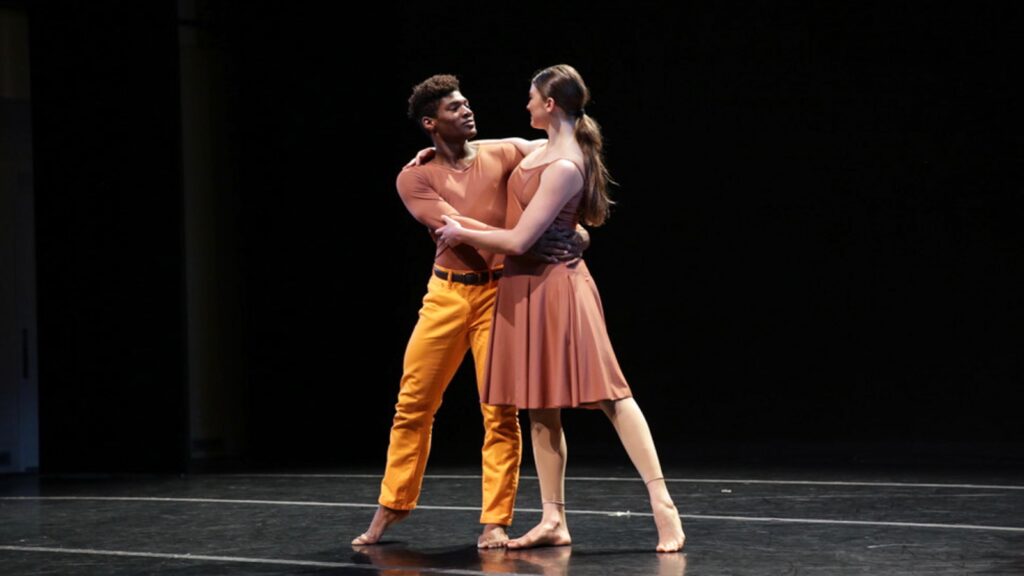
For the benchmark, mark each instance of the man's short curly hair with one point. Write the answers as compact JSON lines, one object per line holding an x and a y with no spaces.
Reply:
{"x":427,"y":95}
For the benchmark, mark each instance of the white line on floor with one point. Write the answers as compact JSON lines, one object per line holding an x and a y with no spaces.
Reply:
{"x":613,"y":513}
{"x":242,"y":559}
{"x":678,"y":480}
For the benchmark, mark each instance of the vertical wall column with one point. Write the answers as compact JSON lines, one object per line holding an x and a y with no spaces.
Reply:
{"x":19,"y":390}
{"x":217,"y":404}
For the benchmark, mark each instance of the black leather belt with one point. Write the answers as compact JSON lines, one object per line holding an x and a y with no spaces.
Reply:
{"x":474,"y":278}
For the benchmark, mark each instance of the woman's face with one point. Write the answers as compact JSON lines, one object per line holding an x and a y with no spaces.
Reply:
{"x":538,"y":111}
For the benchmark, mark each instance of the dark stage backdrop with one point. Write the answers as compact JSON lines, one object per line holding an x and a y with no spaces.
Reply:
{"x":813,"y":250}
{"x":107,"y":150}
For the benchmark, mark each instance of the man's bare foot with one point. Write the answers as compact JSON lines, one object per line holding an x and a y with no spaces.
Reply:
{"x":547,"y":533}
{"x":493,"y":536}
{"x":670,"y":527}
{"x":383,"y":518}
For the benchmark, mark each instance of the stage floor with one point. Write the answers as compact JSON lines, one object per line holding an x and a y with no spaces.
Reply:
{"x":737,"y":521}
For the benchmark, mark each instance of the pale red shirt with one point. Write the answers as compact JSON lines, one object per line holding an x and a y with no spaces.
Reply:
{"x":479,"y":191}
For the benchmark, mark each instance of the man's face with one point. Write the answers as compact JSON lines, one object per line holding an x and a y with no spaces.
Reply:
{"x":454,"y":119}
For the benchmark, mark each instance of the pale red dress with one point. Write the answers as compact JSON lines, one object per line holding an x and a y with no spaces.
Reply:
{"x":549,"y":346}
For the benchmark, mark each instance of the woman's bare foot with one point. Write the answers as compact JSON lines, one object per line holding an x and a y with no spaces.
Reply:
{"x":493,"y":536}
{"x":383,"y":518}
{"x":547,"y":533}
{"x":670,"y":527}
{"x":671,"y":564}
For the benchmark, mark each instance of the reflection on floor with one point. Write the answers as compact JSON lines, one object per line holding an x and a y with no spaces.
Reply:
{"x":737,"y":522}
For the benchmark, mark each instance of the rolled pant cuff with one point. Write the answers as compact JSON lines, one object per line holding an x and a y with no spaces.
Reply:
{"x":396,"y":505}
{"x":501,"y":520}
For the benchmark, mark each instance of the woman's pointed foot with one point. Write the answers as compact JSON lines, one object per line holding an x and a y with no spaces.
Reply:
{"x":670,"y":528}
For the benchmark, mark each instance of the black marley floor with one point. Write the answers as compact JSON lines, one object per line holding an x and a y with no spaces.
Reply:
{"x":737,"y":522}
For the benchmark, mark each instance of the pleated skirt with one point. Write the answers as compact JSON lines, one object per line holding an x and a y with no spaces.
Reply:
{"x":549,"y":345}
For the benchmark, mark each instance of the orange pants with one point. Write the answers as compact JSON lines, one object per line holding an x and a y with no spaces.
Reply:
{"x":454,"y":318}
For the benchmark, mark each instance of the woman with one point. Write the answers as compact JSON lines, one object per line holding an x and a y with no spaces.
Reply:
{"x":549,"y":348}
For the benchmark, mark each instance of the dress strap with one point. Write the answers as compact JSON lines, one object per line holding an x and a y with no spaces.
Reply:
{"x":552,"y":161}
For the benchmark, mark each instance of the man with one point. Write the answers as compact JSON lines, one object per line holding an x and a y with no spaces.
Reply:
{"x":468,"y":179}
